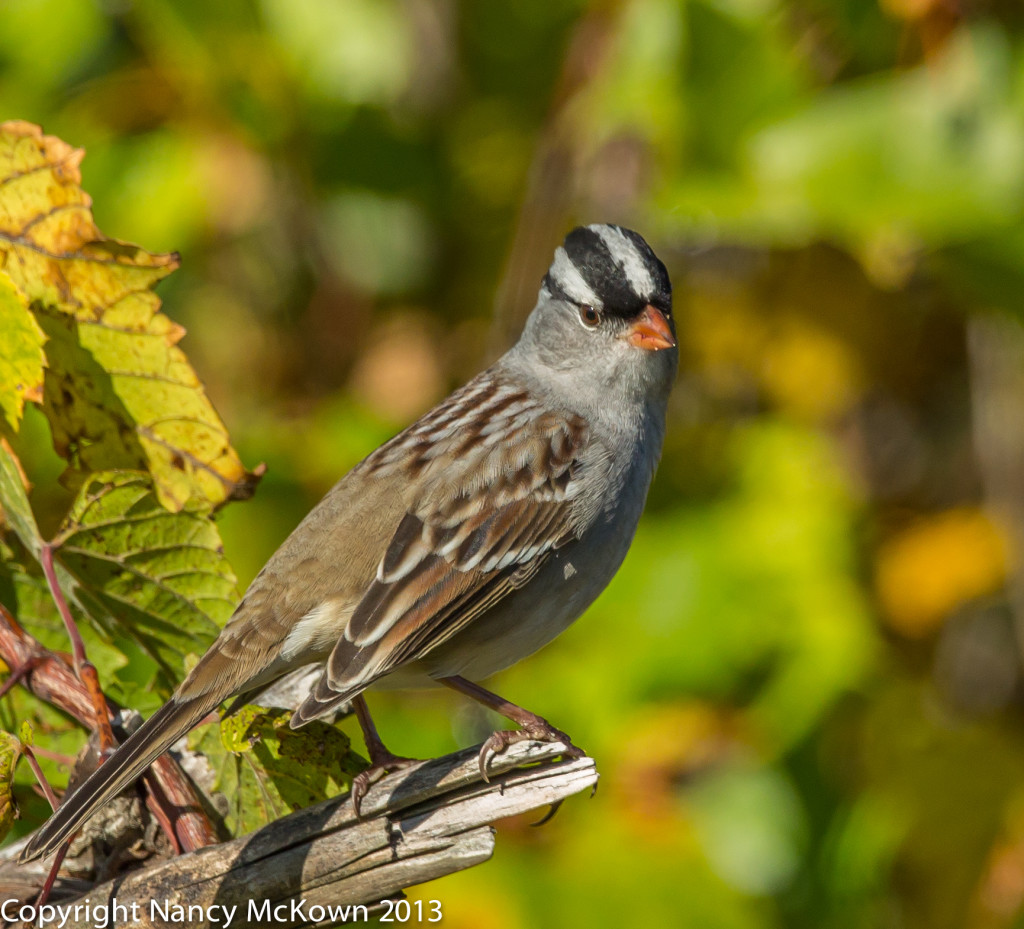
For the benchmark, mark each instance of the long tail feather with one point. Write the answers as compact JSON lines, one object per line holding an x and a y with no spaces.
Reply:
{"x":141,"y":749}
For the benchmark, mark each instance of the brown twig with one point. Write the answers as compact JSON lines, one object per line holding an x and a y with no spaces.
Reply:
{"x":16,"y":675}
{"x":52,"y":679}
{"x":157,"y":809}
{"x":58,"y":860}
{"x":54,"y":682}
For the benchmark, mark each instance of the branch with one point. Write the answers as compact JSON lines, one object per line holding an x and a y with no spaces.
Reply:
{"x":418,"y":824}
{"x":52,"y":680}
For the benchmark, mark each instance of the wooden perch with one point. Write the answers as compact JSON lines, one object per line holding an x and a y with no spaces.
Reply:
{"x":418,"y":824}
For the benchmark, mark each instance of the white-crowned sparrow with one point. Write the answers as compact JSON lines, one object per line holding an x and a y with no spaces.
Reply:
{"x":469,"y":540}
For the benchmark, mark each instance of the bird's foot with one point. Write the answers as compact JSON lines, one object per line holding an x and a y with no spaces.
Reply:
{"x":382,"y":762}
{"x":536,"y":729}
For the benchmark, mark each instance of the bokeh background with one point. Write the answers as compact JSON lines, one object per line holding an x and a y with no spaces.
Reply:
{"x":804,"y":687}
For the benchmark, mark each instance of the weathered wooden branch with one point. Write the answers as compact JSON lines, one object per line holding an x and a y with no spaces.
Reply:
{"x":417,"y":824}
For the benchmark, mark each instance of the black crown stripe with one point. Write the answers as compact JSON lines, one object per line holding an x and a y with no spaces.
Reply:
{"x":605,"y":276}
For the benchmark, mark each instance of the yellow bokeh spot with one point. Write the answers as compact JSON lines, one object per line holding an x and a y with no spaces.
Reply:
{"x":809,"y":372}
{"x":931,"y":568}
{"x":803,"y":368}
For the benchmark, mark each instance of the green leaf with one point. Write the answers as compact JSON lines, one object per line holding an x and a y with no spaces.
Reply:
{"x":118,"y":392}
{"x":122,"y":664}
{"x":159,"y":578}
{"x":266,"y":769}
{"x":21,"y":362}
{"x":14,"y":505}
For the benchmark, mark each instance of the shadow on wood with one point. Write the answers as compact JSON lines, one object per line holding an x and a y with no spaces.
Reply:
{"x":417,"y":824}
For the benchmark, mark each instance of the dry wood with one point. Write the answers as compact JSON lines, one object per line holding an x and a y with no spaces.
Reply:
{"x":418,"y":824}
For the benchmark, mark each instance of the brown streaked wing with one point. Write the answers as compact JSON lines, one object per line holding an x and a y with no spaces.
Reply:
{"x":452,"y":559}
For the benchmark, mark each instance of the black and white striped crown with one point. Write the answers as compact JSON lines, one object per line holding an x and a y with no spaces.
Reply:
{"x":610,"y":268}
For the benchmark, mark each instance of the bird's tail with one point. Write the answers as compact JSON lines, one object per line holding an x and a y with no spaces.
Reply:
{"x":141,"y":749}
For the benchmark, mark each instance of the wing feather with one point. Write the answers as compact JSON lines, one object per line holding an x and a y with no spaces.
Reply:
{"x":481,"y":528}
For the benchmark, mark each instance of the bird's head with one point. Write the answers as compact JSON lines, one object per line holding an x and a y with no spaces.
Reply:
{"x":605,"y":308}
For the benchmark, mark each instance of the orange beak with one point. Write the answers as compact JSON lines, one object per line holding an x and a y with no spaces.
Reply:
{"x":651,"y":331}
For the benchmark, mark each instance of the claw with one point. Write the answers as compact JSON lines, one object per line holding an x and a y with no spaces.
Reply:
{"x":499,"y":741}
{"x":483,"y":761}
{"x":495,"y":745}
{"x":531,"y":725}
{"x":360,"y":785}
{"x":362,"y":781}
{"x":550,"y":814}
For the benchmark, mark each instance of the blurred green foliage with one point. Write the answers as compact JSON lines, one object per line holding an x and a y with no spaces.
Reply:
{"x":804,"y":687}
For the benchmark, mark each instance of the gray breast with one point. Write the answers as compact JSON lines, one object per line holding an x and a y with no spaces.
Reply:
{"x":569,"y":581}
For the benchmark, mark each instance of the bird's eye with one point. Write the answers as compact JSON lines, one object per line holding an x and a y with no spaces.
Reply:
{"x":589,"y":316}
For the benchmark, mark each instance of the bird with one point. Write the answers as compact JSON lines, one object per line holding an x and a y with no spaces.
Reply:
{"x":465,"y":543}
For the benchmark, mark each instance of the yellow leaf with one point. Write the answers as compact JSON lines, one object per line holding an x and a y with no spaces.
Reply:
{"x":930,"y":569}
{"x":21,"y":361}
{"x":10,"y":750}
{"x":118,"y":391}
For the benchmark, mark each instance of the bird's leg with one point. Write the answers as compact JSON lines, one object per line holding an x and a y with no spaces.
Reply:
{"x":381,"y":760}
{"x":531,"y":725}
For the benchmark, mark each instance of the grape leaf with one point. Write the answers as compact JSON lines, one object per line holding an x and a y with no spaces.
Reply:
{"x":267,"y":769}
{"x":158,"y":577}
{"x":14,"y":506}
{"x":24,"y":592}
{"x":21,"y":361}
{"x":118,"y":392}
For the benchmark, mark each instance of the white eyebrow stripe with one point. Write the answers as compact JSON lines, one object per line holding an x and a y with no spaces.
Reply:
{"x":629,"y":258}
{"x":568,"y":277}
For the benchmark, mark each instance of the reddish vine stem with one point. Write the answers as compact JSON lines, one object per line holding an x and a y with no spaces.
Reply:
{"x":53,"y":679}
{"x":157,"y":803}
{"x":30,"y":757}
{"x":83,"y":667}
{"x":51,"y":798}
{"x":18,"y":674}
{"x":58,"y":860}
{"x":55,"y":682}
{"x":77,"y":645}
{"x":59,"y":757}
{"x":99,"y":703}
